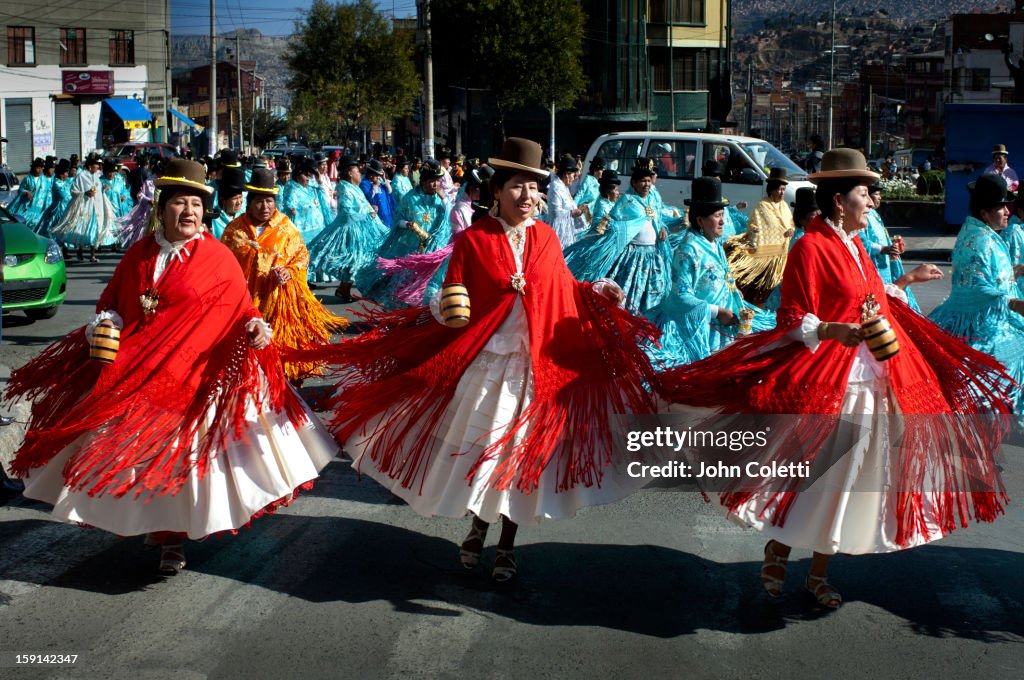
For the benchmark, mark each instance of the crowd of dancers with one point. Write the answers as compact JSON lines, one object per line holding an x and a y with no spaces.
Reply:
{"x":581,"y":297}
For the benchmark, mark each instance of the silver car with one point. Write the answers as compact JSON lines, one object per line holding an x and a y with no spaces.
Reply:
{"x":8,"y":186}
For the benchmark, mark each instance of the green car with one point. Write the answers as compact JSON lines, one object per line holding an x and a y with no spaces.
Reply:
{"x":35,"y":279}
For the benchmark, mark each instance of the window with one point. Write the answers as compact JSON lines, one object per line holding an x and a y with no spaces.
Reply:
{"x":72,"y":47}
{"x":731,"y":160}
{"x":677,"y":11}
{"x":979,"y":79}
{"x":690,"y":69}
{"x":122,"y":48}
{"x":674,"y":159}
{"x":620,"y":154}
{"x":21,"y":45}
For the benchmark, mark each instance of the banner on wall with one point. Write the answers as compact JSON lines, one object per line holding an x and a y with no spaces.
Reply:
{"x":87,"y":82}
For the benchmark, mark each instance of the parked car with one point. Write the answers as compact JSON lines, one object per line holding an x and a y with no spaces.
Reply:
{"x":125,"y":153}
{"x":278,"y":151}
{"x":35,"y":279}
{"x":680,"y":156}
{"x":8,"y":186}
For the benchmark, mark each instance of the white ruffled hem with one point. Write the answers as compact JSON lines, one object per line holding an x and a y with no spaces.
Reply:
{"x":264,"y":466}
{"x":492,"y":393}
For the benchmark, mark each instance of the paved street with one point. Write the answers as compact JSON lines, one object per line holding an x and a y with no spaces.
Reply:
{"x":349,"y":583}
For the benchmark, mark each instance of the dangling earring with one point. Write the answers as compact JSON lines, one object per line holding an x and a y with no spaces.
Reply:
{"x":842,"y":217}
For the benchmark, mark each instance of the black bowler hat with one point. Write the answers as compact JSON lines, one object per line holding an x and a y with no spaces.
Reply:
{"x":644,"y":167}
{"x":38,"y":163}
{"x":374,"y":167}
{"x":778,"y":175}
{"x":477,"y":176}
{"x":346,"y":162}
{"x":609,"y":178}
{"x":108,"y":165}
{"x":705,"y":195}
{"x":232,"y":183}
{"x":597,"y":164}
{"x":988,"y":192}
{"x":64,"y":165}
{"x":319,"y":158}
{"x":804,"y":202}
{"x":262,"y":183}
{"x":567,"y":164}
{"x":431,"y":170}
{"x":713,"y":168}
{"x":229,"y":158}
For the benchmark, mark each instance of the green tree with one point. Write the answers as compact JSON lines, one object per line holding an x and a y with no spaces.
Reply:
{"x":525,"y":51}
{"x":267,"y":127}
{"x":349,"y":69}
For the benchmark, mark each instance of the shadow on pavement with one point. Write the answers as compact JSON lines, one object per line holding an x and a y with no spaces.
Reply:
{"x":645,"y":589}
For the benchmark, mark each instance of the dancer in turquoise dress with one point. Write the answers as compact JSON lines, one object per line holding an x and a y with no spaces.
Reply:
{"x":231,"y":197}
{"x":400,"y":183}
{"x":33,"y":196}
{"x":735,"y":222}
{"x":703,"y":311}
{"x":59,"y":200}
{"x":984,"y":307}
{"x":348,"y":245}
{"x":588,"y":191}
{"x":116,"y":189}
{"x":881,"y":248}
{"x":628,"y":245}
{"x":300,"y":202}
{"x":1014,"y":237}
{"x":90,"y":219}
{"x":421,"y":225}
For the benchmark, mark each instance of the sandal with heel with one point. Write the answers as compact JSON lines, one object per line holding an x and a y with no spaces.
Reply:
{"x":504,"y":574}
{"x":172,"y":559}
{"x":772,"y":560}
{"x":823,"y":592}
{"x":471,"y":558}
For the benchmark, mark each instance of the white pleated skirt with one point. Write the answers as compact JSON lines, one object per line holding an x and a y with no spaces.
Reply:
{"x":852,"y":507}
{"x":262,"y":469}
{"x":493,"y":392}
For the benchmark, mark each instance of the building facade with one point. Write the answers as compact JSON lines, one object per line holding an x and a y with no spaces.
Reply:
{"x":192,"y":91}
{"x":62,"y":66}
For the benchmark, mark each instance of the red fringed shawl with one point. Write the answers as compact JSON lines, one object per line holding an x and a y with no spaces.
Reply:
{"x":933,"y":374}
{"x":586,"y":360}
{"x":149,"y":411}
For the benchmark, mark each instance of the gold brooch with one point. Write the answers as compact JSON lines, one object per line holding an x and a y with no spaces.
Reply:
{"x":149,"y":301}
{"x":427,"y":217}
{"x":518,"y":282}
{"x":649,"y":210}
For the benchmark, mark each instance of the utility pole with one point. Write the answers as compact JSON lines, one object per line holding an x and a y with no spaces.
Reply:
{"x":252,"y":119}
{"x":832,"y":75}
{"x":671,"y":69}
{"x":750,"y":96}
{"x":238,"y":76}
{"x":211,"y":129}
{"x":551,"y":141}
{"x":428,"y":80}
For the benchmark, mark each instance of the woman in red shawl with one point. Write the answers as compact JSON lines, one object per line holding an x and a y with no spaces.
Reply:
{"x":912,"y":454}
{"x":193,"y":428}
{"x":509,"y":416}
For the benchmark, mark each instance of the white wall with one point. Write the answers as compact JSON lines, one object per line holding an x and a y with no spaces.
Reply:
{"x":42,"y":83}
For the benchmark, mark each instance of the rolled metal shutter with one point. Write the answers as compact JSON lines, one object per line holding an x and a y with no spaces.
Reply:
{"x":67,"y":129}
{"x":18,"y":114}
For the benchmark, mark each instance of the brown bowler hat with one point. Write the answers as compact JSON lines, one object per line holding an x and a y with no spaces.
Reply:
{"x":182,"y":173}
{"x":262,"y":183}
{"x":520,"y":155}
{"x":844,"y":164}
{"x":1000,"y":149}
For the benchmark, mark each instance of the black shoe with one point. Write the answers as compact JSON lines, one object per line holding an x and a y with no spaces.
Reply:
{"x":6,"y":420}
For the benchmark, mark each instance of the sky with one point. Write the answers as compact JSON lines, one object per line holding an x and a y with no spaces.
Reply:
{"x":270,"y":17}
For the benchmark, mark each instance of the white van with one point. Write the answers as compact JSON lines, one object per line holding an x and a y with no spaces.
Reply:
{"x":679,"y":157}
